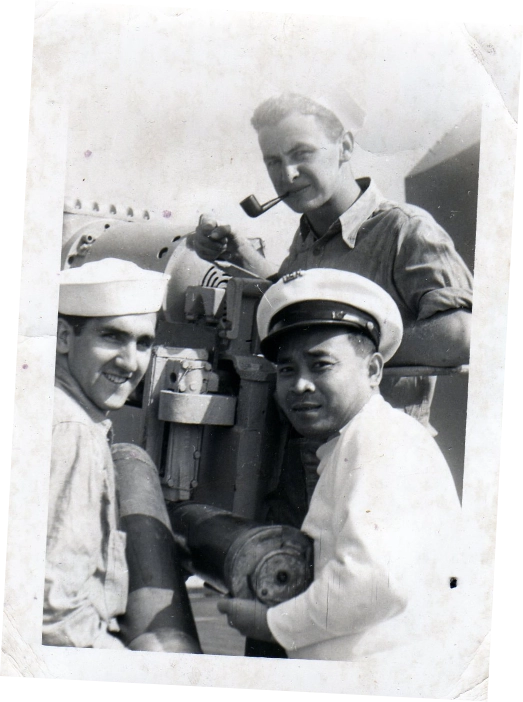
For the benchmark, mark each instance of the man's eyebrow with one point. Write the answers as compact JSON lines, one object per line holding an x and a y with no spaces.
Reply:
{"x":146,"y":337}
{"x":318,"y":352}
{"x":300,"y":145}
{"x":108,"y":328}
{"x":283,"y":359}
{"x":122,"y":333}
{"x":294,"y":147}
{"x":314,"y":353}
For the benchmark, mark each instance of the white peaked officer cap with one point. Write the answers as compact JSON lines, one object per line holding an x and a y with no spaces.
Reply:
{"x":325,"y":296}
{"x":109,"y":288}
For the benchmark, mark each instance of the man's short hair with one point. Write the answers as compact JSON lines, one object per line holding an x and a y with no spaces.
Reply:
{"x":272,"y":111}
{"x":363,"y":345}
{"x":76,"y":322}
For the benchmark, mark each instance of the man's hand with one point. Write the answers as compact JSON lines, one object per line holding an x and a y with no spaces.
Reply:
{"x":248,"y":616}
{"x":212,"y":241}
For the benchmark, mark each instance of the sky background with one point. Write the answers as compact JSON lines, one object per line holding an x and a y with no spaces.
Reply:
{"x":160,"y":101}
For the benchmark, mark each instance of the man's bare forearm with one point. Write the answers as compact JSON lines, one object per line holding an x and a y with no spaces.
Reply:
{"x":441,"y":340}
{"x":247,"y":257}
{"x":212,"y":241}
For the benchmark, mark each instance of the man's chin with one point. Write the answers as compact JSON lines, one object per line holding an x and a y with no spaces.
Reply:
{"x":297,"y":208}
{"x":308,"y":430}
{"x":113,"y":402}
{"x":302,"y":207}
{"x":113,"y":407}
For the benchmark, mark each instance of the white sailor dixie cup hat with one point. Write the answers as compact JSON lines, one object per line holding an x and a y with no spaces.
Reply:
{"x":342,"y":104}
{"x":326,"y":296}
{"x":110,"y":287}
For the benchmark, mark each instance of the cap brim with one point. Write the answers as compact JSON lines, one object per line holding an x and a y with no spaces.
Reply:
{"x":272,"y":343}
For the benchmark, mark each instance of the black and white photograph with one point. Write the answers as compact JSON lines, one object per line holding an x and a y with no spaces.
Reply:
{"x":260,"y":372}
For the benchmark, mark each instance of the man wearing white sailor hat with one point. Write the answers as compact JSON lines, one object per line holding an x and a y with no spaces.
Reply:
{"x":307,"y":141}
{"x":101,"y":497}
{"x":116,"y":304}
{"x":384,"y":516}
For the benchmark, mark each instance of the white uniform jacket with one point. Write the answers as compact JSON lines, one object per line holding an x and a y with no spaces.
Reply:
{"x":385,"y":518}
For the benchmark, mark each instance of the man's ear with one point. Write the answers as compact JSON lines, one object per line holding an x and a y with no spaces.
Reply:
{"x":346,"y":146}
{"x":375,"y":369}
{"x":64,"y":334}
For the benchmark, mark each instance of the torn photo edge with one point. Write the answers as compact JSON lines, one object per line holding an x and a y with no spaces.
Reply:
{"x":31,"y":408}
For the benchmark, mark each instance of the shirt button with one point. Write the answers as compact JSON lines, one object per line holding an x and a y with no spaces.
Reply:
{"x":317,"y":250}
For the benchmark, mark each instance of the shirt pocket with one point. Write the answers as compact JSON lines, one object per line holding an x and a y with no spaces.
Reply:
{"x":117,"y":577}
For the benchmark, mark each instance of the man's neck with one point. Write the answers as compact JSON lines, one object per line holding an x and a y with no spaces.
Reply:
{"x":323,"y":217}
{"x":65,"y":379}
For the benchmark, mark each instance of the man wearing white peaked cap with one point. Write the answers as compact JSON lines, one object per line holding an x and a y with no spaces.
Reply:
{"x":323,"y":296}
{"x":95,"y":595}
{"x":307,"y":143}
{"x":384,"y":515}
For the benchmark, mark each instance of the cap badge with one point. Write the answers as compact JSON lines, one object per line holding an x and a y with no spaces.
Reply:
{"x":339,"y":315}
{"x":292,"y":276}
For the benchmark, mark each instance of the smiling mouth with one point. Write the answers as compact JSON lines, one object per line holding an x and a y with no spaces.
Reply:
{"x":116,"y":379}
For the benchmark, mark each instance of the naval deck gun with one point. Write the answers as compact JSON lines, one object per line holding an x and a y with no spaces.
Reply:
{"x":205,"y":411}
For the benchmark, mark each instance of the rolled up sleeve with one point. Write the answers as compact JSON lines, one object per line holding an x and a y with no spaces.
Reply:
{"x":429,"y":274}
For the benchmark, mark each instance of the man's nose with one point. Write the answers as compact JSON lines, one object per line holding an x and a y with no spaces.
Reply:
{"x":127,"y":358}
{"x":303,"y":384}
{"x":290,"y":172}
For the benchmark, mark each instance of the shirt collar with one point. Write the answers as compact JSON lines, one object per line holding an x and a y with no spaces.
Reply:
{"x":351,"y":220}
{"x":65,"y":381}
{"x":371,"y":405}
